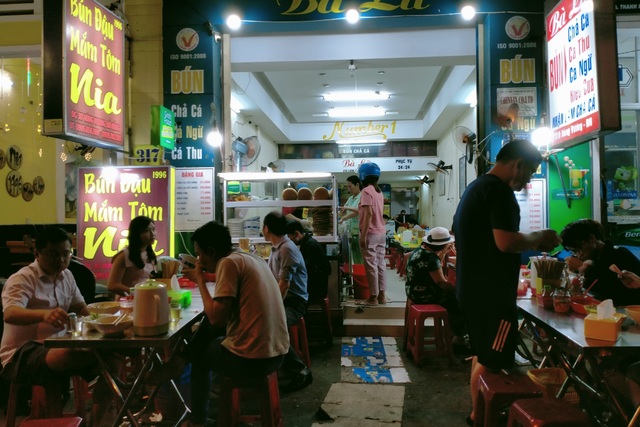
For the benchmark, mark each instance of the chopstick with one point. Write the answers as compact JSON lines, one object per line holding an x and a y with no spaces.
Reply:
{"x":120,"y":318}
{"x":590,"y":286}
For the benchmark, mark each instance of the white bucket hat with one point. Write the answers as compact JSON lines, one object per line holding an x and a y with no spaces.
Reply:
{"x":438,"y":236}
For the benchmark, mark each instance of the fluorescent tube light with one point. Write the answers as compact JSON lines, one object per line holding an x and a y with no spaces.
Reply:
{"x":261,"y":176}
{"x":371,"y":141}
{"x":356,"y":112}
{"x":352,"y":95}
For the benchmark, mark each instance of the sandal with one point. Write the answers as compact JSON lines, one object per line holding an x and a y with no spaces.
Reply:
{"x":384,"y":301}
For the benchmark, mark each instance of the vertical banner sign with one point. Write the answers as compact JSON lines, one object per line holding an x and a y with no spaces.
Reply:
{"x":583,"y":72}
{"x":514,"y":81}
{"x":83,"y":68}
{"x":109,"y":198}
{"x":191,"y":87}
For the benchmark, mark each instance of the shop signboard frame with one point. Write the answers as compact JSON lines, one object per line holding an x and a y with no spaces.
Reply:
{"x":83,"y":73}
{"x":582,"y":67}
{"x":109,"y":198}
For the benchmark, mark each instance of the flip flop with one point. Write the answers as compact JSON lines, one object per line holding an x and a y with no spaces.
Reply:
{"x":366,"y":302}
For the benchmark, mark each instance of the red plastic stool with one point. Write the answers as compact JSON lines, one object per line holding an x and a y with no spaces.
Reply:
{"x":547,"y":412}
{"x":266,"y":389}
{"x":390,"y":260}
{"x":325,"y":308}
{"x":497,"y":392}
{"x":54,"y":422}
{"x":44,"y":402}
{"x":298,"y":338}
{"x":442,"y":338}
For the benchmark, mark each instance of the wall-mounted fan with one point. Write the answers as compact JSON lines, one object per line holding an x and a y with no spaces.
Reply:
{"x":426,"y":180}
{"x":246,"y":151}
{"x":465,"y":140}
{"x":440,"y":167}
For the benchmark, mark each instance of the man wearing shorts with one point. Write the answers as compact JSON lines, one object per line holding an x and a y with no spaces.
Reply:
{"x":488,"y":242}
{"x":36,"y":303}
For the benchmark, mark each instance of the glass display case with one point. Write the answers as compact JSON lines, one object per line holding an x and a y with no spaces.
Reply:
{"x":309,"y":197}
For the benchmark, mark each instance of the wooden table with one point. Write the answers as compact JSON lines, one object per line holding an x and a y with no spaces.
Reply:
{"x":567,"y":347}
{"x":159,"y":350}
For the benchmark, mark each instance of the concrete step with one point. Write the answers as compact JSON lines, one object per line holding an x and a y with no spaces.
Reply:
{"x":394,"y":310}
{"x":373,"y":327}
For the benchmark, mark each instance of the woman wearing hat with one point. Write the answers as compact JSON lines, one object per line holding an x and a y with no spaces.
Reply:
{"x":426,"y":282}
{"x":373,"y":237}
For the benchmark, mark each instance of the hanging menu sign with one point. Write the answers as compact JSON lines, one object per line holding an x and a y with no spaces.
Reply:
{"x":582,"y":70}
{"x":194,"y":197}
{"x":533,"y":206}
{"x":83,"y":73}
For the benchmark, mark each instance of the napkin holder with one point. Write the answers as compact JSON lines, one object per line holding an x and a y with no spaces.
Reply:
{"x":603,"y":329}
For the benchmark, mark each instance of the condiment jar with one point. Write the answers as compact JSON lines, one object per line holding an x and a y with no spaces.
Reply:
{"x":561,"y":300}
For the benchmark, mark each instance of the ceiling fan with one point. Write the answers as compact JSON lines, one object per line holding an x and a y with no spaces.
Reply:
{"x":465,"y":139}
{"x":440,"y":167}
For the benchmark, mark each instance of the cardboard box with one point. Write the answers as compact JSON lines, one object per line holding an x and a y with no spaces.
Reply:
{"x":603,"y":329}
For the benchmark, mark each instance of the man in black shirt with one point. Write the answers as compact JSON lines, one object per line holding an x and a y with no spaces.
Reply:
{"x":315,"y":258}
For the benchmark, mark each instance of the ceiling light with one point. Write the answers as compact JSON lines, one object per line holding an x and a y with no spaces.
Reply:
{"x":6,"y":81}
{"x":390,"y":113}
{"x":352,"y":16}
{"x":468,"y":12}
{"x":364,"y":140}
{"x":320,"y":114}
{"x":379,"y":83}
{"x":356,"y":112}
{"x":326,"y":85}
{"x":214,"y":138}
{"x":356,"y":95}
{"x":244,"y":176}
{"x":234,"y":22}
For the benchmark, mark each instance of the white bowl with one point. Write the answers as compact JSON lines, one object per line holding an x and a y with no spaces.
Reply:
{"x":88,"y":320}
{"x":633,"y":311}
{"x":188,"y":260}
{"x":105,"y":307}
{"x":106,"y":327}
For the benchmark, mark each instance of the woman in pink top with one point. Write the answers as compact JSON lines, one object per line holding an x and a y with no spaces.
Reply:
{"x":372,"y":233}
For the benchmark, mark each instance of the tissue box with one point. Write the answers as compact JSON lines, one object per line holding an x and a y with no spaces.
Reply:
{"x":183,"y":295}
{"x":603,"y":329}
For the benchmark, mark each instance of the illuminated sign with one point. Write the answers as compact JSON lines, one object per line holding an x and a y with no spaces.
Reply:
{"x":582,"y":71}
{"x":163,"y":127}
{"x":83,"y":73}
{"x":109,"y":198}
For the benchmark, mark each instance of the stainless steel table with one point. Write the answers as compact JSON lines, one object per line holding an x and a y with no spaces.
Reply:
{"x":159,"y":350}
{"x":566,"y":346}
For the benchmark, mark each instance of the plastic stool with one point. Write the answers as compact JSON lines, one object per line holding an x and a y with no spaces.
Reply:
{"x":548,"y":412}
{"x":326,"y":315}
{"x":442,"y":338}
{"x":390,"y":260}
{"x":45,"y":402}
{"x":54,"y":422}
{"x":266,"y":389}
{"x":497,"y":392}
{"x":298,"y":338}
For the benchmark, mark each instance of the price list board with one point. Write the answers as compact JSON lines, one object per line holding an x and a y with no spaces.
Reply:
{"x":194,"y":198}
{"x":533,"y":206}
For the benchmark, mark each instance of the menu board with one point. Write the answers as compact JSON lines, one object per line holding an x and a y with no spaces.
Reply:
{"x":533,"y":206}
{"x":194,"y":198}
